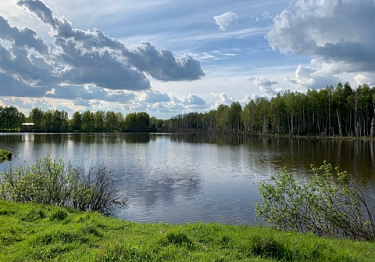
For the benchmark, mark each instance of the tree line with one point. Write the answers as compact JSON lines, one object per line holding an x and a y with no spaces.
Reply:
{"x":11,"y":119}
{"x":341,"y":111}
{"x":332,"y":111}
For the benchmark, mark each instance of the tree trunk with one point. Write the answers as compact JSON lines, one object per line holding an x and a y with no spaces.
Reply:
{"x":339,"y":122}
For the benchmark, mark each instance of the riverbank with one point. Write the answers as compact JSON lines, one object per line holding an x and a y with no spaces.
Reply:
{"x":31,"y":232}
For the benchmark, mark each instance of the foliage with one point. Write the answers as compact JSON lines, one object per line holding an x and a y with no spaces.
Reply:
{"x":340,"y":111}
{"x":51,"y":181}
{"x":139,"y":122}
{"x":5,"y":155}
{"x":328,"y":204}
{"x":10,"y":118}
{"x":34,"y":232}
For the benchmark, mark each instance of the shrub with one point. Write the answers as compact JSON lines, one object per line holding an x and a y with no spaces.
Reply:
{"x":328,"y":204}
{"x":5,"y":155}
{"x":51,"y":181}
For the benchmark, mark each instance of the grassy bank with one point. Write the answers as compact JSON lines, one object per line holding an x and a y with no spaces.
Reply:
{"x":31,"y":232}
{"x":5,"y":155}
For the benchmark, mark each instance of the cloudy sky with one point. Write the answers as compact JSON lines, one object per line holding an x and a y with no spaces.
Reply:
{"x":167,"y":57}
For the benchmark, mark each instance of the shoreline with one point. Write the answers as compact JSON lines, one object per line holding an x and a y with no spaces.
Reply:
{"x":243,"y":134}
{"x":36,"y":232}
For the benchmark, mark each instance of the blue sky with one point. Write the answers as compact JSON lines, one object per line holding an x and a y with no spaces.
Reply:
{"x":169,"y":57}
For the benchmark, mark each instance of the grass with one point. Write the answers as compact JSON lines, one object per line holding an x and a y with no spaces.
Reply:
{"x":5,"y":155}
{"x":33,"y":232}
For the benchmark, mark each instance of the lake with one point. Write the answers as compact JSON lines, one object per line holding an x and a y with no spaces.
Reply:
{"x":180,"y":178}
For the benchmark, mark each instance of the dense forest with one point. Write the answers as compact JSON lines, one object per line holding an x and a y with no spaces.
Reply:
{"x":57,"y":121}
{"x":340,"y":111}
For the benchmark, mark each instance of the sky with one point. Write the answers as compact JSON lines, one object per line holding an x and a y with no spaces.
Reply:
{"x":170,"y":57}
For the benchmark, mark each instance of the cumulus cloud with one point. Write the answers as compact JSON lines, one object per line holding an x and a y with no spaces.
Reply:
{"x":163,"y":65}
{"x":90,"y":92}
{"x":265,"y":85}
{"x":335,"y":31}
{"x":14,"y":86}
{"x":192,"y":99}
{"x":262,"y":81}
{"x":224,"y":21}
{"x":364,"y":79}
{"x":153,"y":96}
{"x":80,"y":63}
{"x":313,"y":77}
{"x":244,"y":101}
{"x":24,"y":59}
{"x":222,"y":99}
{"x":21,"y":37}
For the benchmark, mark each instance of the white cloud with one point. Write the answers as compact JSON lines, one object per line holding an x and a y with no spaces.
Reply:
{"x":265,"y":85}
{"x":265,"y":16}
{"x":153,"y":96}
{"x":163,"y":65}
{"x":192,"y":99}
{"x":364,"y":79}
{"x":224,"y":21}
{"x":80,"y":59}
{"x":222,"y":99}
{"x":262,"y":81}
{"x":244,"y":101}
{"x":336,"y":31}
{"x":313,"y":77}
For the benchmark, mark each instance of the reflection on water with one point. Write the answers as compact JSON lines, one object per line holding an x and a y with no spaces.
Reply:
{"x":194,"y":177}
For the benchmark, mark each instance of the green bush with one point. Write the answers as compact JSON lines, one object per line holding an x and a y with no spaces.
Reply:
{"x":51,"y":181}
{"x":328,"y":204}
{"x":5,"y":155}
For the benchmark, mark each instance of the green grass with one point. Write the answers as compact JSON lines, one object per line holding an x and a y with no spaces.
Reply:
{"x":5,"y":155}
{"x":33,"y":232}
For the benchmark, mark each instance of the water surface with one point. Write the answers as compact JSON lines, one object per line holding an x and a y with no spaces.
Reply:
{"x":185,"y":178}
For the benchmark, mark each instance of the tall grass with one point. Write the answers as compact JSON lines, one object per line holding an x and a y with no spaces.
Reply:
{"x":35,"y":232}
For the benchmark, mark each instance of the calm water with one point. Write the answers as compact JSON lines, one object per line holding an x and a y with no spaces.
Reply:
{"x":185,"y":178}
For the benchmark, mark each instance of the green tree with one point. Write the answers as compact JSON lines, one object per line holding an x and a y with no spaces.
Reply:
{"x":222,"y":118}
{"x":11,"y":119}
{"x":76,"y":122}
{"x":99,"y":121}
{"x":137,"y":122}
{"x":36,"y":116}
{"x":111,"y":121}
{"x":47,"y":121}
{"x":261,"y":115}
{"x":234,"y":116}
{"x":156,"y":124}
{"x":278,"y":115}
{"x":120,"y":121}
{"x":143,"y":121}
{"x":247,"y":117}
{"x":131,"y":122}
{"x":88,"y":121}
